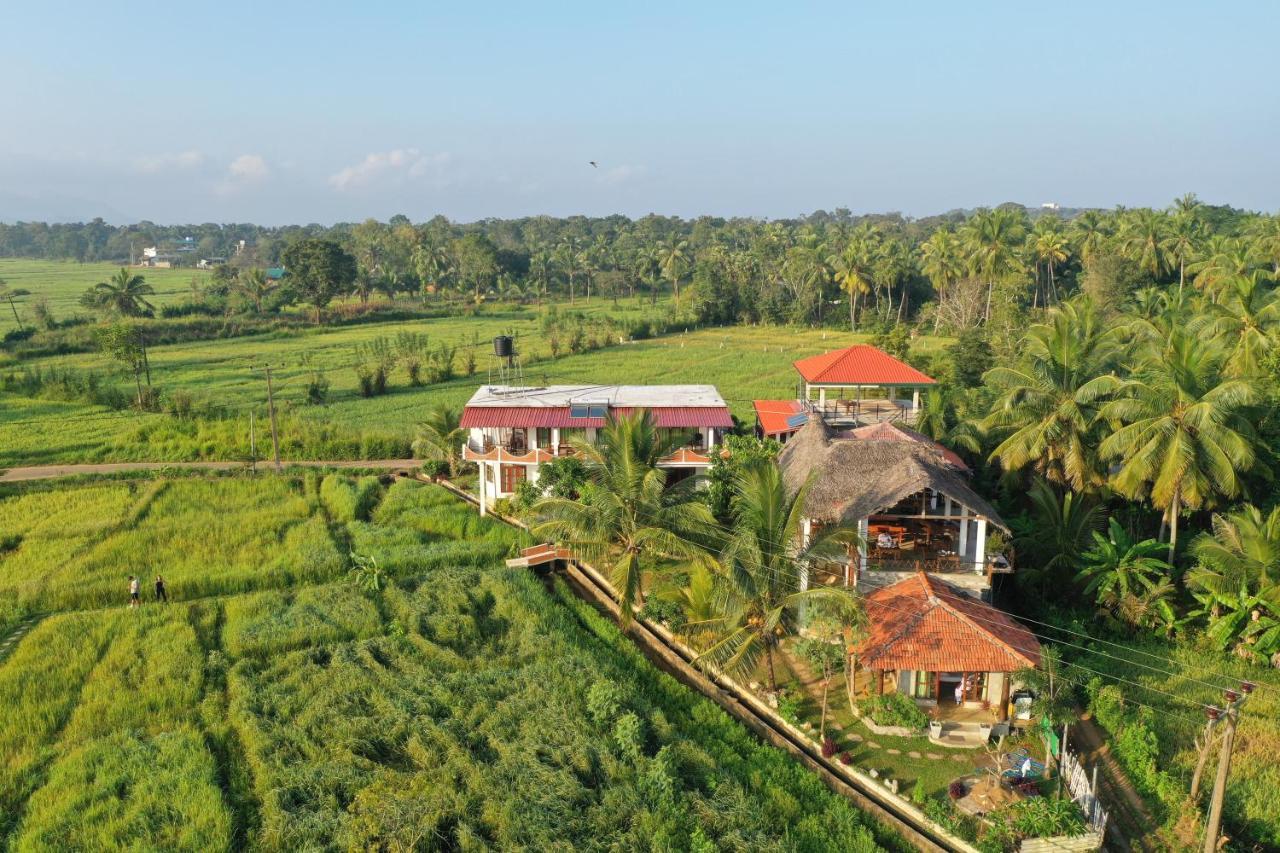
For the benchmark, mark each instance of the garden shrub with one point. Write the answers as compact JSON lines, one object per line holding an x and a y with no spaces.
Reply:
{"x":894,"y":709}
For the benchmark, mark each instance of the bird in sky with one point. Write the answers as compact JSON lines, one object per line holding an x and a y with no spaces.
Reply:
{"x":593,"y":164}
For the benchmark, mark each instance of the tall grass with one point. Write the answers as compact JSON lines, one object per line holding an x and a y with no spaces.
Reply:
{"x":39,"y":689}
{"x":478,"y":730}
{"x":347,"y":500}
{"x":270,"y":623}
{"x":132,"y":791}
{"x":206,"y":537}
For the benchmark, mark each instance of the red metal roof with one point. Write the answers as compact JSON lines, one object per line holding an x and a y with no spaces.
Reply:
{"x":861,"y":364}
{"x":667,"y":417}
{"x":923,"y":623}
{"x":774,"y":414}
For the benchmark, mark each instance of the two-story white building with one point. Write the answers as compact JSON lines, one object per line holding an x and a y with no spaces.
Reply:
{"x":512,"y":430}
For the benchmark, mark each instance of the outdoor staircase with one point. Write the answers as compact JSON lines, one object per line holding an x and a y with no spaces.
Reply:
{"x":962,"y":735}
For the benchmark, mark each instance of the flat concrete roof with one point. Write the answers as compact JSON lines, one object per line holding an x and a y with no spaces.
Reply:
{"x":616,"y":396}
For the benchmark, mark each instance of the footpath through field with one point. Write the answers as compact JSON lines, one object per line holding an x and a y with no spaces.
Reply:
{"x":46,"y":472}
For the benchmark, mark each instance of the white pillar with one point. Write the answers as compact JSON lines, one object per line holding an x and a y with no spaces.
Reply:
{"x":822,"y":398}
{"x":711,"y":437}
{"x":946,"y":503}
{"x":484,"y":467}
{"x":915,"y":401}
{"x":980,"y":547}
{"x":863,"y":533}
{"x":964,"y":531}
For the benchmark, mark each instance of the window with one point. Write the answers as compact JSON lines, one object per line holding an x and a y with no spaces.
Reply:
{"x":511,"y":475}
{"x":923,"y":685}
{"x":588,"y":410}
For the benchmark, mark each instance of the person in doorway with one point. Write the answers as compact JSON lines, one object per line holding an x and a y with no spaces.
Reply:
{"x":885,"y":540}
{"x":959,"y":693}
{"x":161,"y":593}
{"x":134,"y":588}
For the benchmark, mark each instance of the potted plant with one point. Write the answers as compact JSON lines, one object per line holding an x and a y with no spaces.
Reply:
{"x":935,"y":723}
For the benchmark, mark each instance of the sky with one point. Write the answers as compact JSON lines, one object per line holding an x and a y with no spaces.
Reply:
{"x":287,"y":112}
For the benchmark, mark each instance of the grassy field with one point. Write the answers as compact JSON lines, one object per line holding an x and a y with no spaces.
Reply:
{"x":743,"y":362}
{"x":456,"y":705}
{"x":1158,"y":749}
{"x":63,"y":282}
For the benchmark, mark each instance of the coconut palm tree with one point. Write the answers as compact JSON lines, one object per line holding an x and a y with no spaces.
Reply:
{"x":1049,"y":247}
{"x":1243,"y":550}
{"x":942,"y":260}
{"x":541,"y":271}
{"x":254,"y":285}
{"x":1185,"y":229}
{"x":940,"y":419}
{"x":1182,"y":438}
{"x":992,"y":239}
{"x":1090,"y":232}
{"x":1047,"y":407}
{"x":674,"y":257}
{"x":1144,"y":238}
{"x":762,"y":586}
{"x":1128,"y":577}
{"x":566,"y":256}
{"x":440,"y":437}
{"x":124,"y":294}
{"x":851,"y":270}
{"x":1244,"y":320}
{"x":1222,"y":260}
{"x":625,"y":513}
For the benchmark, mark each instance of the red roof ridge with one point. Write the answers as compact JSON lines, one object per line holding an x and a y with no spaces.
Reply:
{"x":950,"y":593}
{"x":859,"y":364}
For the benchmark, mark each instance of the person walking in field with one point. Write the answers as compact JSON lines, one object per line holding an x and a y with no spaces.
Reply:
{"x":134,"y":588}
{"x":161,"y":593}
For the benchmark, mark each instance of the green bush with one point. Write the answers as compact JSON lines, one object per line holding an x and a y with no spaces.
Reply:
{"x":893,"y":709}
{"x":347,"y":501}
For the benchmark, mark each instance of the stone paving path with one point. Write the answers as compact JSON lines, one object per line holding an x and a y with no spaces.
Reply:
{"x":11,"y":641}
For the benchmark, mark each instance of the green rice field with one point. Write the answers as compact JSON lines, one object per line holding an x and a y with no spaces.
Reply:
{"x":743,"y":362}
{"x":63,"y":282}
{"x":276,"y":704}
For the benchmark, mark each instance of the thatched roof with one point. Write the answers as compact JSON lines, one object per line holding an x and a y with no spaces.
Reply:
{"x":854,"y":478}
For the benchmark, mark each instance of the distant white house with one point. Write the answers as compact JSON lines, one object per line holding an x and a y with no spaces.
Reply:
{"x":512,"y":430}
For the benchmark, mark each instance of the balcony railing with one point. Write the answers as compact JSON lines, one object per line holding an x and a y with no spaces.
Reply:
{"x":863,"y":412}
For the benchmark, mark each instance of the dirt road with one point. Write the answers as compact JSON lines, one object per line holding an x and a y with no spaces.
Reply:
{"x":46,"y":472}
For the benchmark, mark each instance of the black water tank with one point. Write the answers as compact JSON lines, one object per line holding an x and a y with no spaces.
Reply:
{"x":502,"y":346}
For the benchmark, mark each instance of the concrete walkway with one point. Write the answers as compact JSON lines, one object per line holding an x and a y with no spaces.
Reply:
{"x":46,"y":472}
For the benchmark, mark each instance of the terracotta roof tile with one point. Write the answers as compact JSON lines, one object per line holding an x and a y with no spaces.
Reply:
{"x":925,"y":624}
{"x":861,"y":364}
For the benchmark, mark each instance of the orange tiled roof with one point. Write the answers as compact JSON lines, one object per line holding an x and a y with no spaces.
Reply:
{"x":685,"y":456}
{"x":861,"y":364}
{"x":925,"y":624}
{"x":775,"y":414}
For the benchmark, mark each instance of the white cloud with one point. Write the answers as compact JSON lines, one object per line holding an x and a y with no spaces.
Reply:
{"x":169,"y":162}
{"x":245,"y":170}
{"x":619,"y":175}
{"x":407,"y":161}
{"x":248,"y":167}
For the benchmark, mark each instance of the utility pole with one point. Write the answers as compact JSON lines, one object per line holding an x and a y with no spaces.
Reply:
{"x":271,"y":407}
{"x":253,"y":443}
{"x":1235,"y":700}
{"x":1062,"y":757}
